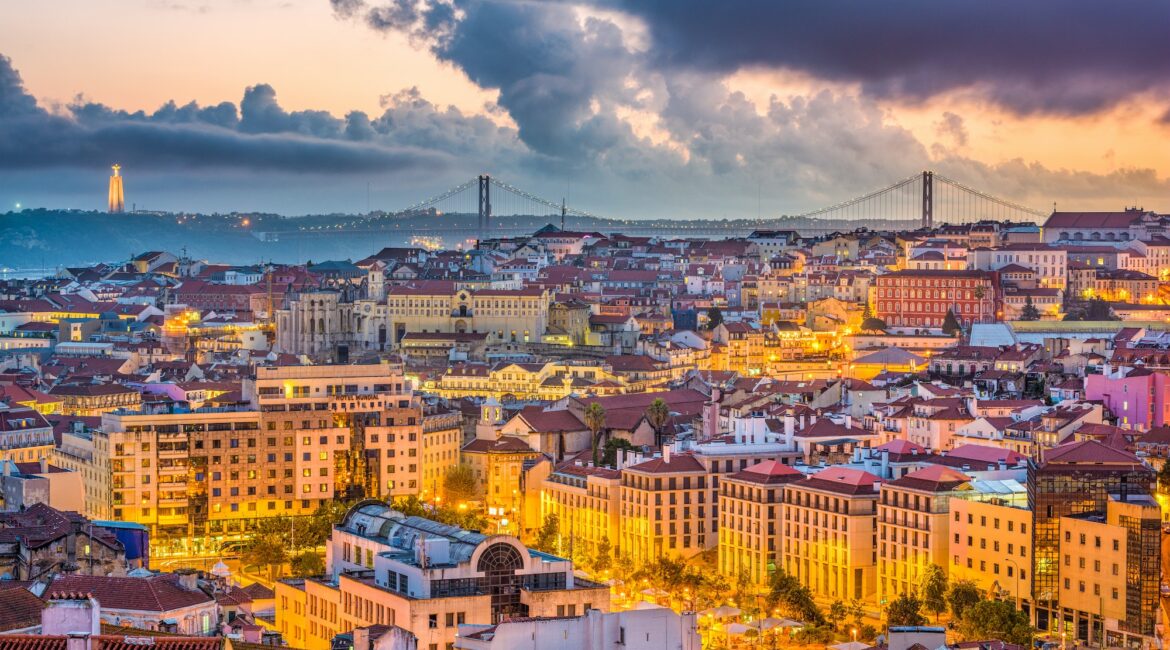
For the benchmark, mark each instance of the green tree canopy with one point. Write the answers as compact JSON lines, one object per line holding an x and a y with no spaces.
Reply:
{"x":595,"y":420}
{"x":1029,"y":312}
{"x":951,"y":324}
{"x":794,"y":599}
{"x":962,"y":595}
{"x":996,"y":619}
{"x":307,"y":564}
{"x":657,"y":415}
{"x":872,"y":324}
{"x":934,"y":590}
{"x":548,"y":536}
{"x":609,"y":455}
{"x":714,"y":317}
{"x":266,"y":551}
{"x":460,"y":484}
{"x":905,"y":610}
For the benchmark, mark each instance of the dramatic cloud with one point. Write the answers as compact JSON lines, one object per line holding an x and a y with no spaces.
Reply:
{"x":1071,"y":57}
{"x":264,"y":137}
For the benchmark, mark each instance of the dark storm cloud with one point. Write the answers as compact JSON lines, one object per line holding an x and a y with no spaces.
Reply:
{"x":263,"y":138}
{"x":1070,"y":57}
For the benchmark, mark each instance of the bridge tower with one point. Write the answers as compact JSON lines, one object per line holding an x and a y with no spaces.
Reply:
{"x":927,"y":199}
{"x":485,"y":204}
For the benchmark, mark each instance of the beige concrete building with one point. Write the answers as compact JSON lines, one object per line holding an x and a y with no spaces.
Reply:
{"x":830,"y":536}
{"x":750,"y":525}
{"x":666,"y":508}
{"x":587,"y":502}
{"x":991,"y":539}
{"x":913,"y":527}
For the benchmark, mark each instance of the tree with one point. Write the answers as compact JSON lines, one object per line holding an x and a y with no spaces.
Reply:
{"x":1164,"y":478}
{"x":904,"y":610}
{"x":934,"y":590}
{"x":1098,"y":309}
{"x":996,"y":619}
{"x":609,"y":454}
{"x":548,"y":535}
{"x":872,"y":324}
{"x":307,"y":564}
{"x":979,"y":294}
{"x":460,"y":484}
{"x":963,"y":595}
{"x":595,"y":420}
{"x":714,"y":317}
{"x":856,"y":611}
{"x":794,"y":599}
{"x":268,"y":552}
{"x":657,"y":415}
{"x":951,"y":324}
{"x":836,"y":614}
{"x":1029,"y":312}
{"x":411,"y":506}
{"x":603,"y":556}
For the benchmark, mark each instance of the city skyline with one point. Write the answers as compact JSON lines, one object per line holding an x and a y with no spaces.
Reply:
{"x":601,"y":102}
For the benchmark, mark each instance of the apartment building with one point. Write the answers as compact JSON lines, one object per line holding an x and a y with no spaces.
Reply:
{"x":922,"y":298}
{"x":507,"y":381}
{"x":1080,"y":479}
{"x":666,"y":508}
{"x":830,"y":533}
{"x":587,"y":501}
{"x":1110,"y":568}
{"x":1048,"y":263}
{"x":308,"y":434}
{"x":384,"y":568}
{"x":750,"y":527}
{"x":25,"y":435}
{"x":912,"y":525}
{"x":991,"y":539}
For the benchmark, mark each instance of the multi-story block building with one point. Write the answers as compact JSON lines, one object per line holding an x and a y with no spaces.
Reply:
{"x":427,"y":578}
{"x":1110,"y":563}
{"x":750,"y":526}
{"x":830,"y":533}
{"x":1081,"y":480}
{"x":913,"y":527}
{"x":1048,"y":263}
{"x":922,"y":298}
{"x":666,"y":508}
{"x":587,"y":501}
{"x":307,"y":435}
{"x":25,"y":435}
{"x":991,"y":539}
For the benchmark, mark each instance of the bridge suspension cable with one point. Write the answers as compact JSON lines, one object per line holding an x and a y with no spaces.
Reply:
{"x":987,"y":197}
{"x":845,"y":206}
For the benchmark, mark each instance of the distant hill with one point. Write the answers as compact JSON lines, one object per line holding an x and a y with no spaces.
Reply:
{"x":50,"y":238}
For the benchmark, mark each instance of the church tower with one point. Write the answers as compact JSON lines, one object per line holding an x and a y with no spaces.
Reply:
{"x":117,"y":199}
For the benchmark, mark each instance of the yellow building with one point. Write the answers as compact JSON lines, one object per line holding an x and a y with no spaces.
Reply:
{"x":498,"y":464}
{"x":666,"y":508}
{"x":587,"y":501}
{"x":292,"y":612}
{"x":913,"y":527}
{"x":750,"y":527}
{"x":1109,"y":572}
{"x":523,"y":381}
{"x":830,"y":533}
{"x":95,"y":399}
{"x":991,"y":539}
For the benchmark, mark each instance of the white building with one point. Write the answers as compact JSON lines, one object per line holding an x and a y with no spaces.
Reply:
{"x":652,"y":628}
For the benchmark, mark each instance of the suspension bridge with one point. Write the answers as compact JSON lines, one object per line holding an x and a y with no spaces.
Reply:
{"x":485,"y":207}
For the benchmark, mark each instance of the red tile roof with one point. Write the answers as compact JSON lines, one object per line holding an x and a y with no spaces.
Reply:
{"x":160,"y":593}
{"x":768,"y":472}
{"x":678,"y":463}
{"x":841,"y":480}
{"x":932,"y":478}
{"x":19,"y":608}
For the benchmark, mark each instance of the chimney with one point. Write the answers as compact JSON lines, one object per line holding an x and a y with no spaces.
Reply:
{"x":789,"y":430}
{"x":73,"y":614}
{"x":666,"y":449}
{"x":44,"y":465}
{"x":188,"y":579}
{"x":848,"y":421}
{"x":77,"y":641}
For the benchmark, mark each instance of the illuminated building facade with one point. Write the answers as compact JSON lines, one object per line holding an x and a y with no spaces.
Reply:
{"x":666,"y":508}
{"x":922,"y":298}
{"x":384,"y":568}
{"x":750,"y":527}
{"x":586,"y":500}
{"x":1078,"y":482}
{"x":991,"y":539}
{"x":830,"y":536}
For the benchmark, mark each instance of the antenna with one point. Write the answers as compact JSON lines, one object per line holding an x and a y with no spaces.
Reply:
{"x":563,"y":210}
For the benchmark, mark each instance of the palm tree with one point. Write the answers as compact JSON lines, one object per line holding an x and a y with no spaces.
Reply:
{"x":595,"y":420}
{"x":657,"y":414}
{"x":979,"y":293}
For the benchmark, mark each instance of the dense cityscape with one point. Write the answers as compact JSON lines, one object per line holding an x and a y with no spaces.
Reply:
{"x":947,"y":434}
{"x":587,"y":325}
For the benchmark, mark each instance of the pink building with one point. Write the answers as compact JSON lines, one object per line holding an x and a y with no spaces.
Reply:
{"x":1136,"y":396}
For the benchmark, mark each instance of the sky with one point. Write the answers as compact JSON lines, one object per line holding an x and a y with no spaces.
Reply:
{"x":632,"y":108}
